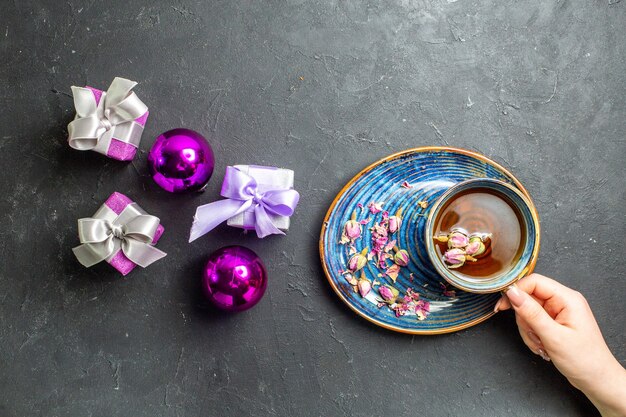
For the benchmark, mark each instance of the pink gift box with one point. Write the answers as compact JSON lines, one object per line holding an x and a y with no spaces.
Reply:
{"x":118,"y":202}
{"x":117,"y":149}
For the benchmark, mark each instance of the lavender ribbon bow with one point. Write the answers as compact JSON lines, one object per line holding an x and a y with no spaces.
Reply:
{"x":241,"y":192}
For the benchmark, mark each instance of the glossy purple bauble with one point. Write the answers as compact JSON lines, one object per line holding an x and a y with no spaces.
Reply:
{"x":181,"y":160}
{"x":234,"y":278}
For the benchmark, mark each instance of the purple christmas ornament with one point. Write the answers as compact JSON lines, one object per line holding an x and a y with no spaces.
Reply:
{"x":234,"y":278}
{"x":181,"y":160}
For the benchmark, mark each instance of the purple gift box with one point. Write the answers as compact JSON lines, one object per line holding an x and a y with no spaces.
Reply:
{"x":111,"y":208}
{"x":119,"y":150}
{"x":109,"y":122}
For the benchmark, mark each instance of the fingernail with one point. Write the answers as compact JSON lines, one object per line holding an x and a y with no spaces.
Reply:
{"x":497,"y":306}
{"x":515,"y":296}
{"x":535,"y":339}
{"x":543,"y":355}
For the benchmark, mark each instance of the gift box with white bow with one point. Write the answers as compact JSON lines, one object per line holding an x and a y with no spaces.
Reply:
{"x":111,"y":122}
{"x":120,"y":233}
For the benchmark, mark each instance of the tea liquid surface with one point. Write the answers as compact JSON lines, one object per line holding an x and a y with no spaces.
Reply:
{"x":484,"y":211}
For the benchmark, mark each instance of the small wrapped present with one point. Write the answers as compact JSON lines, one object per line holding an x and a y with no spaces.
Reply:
{"x":120,"y":233}
{"x":111,"y":122}
{"x":257,"y":198}
{"x":267,"y":179}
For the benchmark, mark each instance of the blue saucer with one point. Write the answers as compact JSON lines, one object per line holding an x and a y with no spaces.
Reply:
{"x":401,"y":181}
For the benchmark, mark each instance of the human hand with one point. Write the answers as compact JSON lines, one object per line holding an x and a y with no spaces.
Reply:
{"x":556,"y":323}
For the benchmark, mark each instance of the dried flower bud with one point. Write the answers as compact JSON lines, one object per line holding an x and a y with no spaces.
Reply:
{"x":364,"y":285}
{"x":394,"y":224}
{"x":352,"y":229}
{"x":455,"y":258}
{"x":476,"y":246}
{"x":358,"y":261}
{"x":395,"y":221}
{"x":388,"y":294}
{"x":457,"y":239}
{"x":401,"y":257}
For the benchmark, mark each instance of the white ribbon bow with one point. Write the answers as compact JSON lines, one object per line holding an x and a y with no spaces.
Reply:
{"x":113,"y":117}
{"x":105,"y":234}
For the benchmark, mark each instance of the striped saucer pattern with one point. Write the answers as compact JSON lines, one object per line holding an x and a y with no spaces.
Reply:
{"x":426,"y":173}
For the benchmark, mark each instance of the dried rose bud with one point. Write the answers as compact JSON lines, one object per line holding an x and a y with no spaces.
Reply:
{"x":358,"y":261}
{"x":352,"y":229}
{"x":455,"y":258}
{"x":388,"y":294}
{"x":401,"y":257}
{"x":364,"y":285}
{"x":473,"y":247}
{"x":476,"y":246}
{"x":395,"y":221}
{"x":394,"y":224}
{"x":457,"y":239}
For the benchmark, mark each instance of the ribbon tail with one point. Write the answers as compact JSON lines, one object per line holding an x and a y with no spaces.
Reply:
{"x":263,"y":224}
{"x":208,"y":216}
{"x":89,"y":254}
{"x":282,"y":202}
{"x":141,"y":253}
{"x":83,"y":133}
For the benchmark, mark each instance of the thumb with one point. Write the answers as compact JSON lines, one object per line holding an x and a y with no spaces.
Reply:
{"x":531,"y":311}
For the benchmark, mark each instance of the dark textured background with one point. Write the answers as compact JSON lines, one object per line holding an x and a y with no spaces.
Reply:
{"x":325,"y":88}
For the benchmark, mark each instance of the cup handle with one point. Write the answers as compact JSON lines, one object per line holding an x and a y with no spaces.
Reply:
{"x":504,"y":291}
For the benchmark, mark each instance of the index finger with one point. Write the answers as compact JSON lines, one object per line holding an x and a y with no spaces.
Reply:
{"x":543,"y":288}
